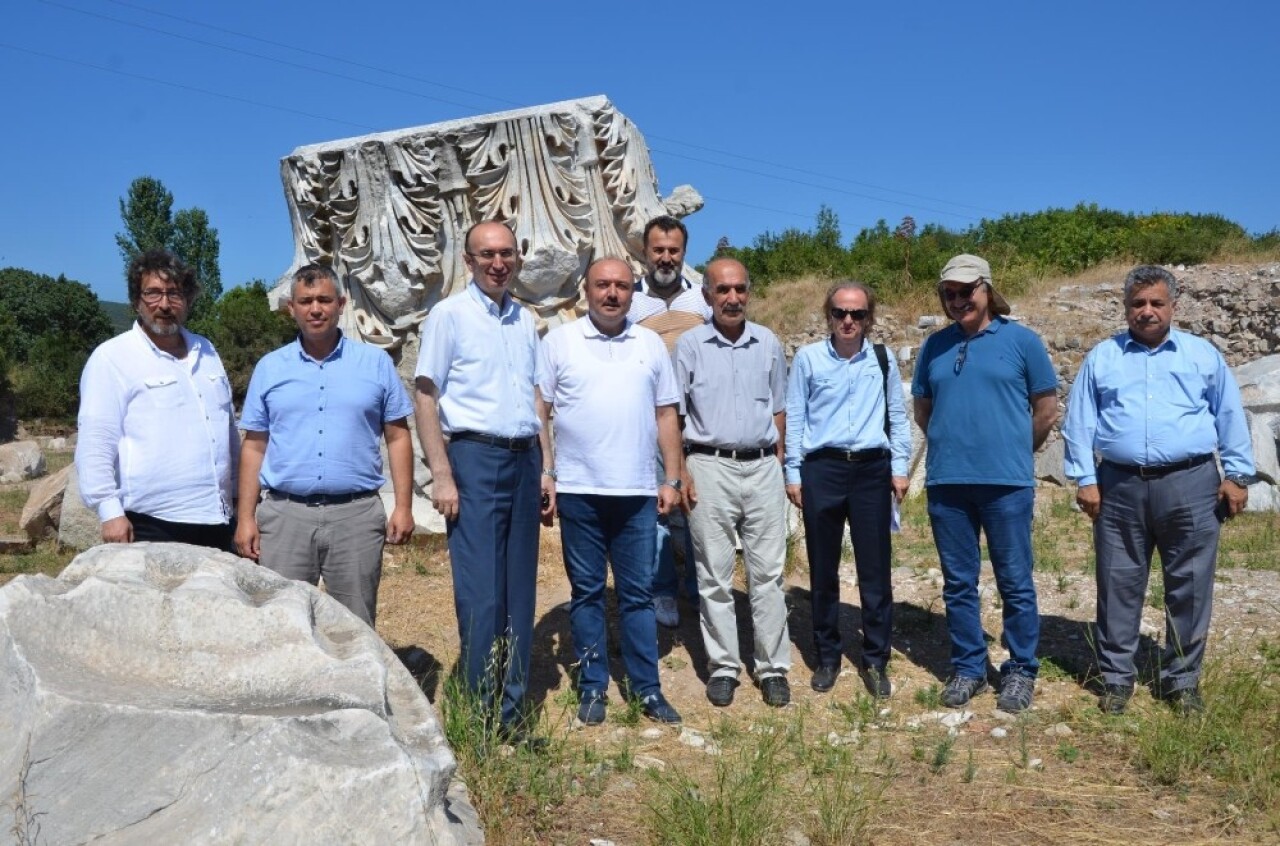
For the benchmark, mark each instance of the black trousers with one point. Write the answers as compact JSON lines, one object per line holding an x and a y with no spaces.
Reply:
{"x":148,"y":528}
{"x":835,"y":491}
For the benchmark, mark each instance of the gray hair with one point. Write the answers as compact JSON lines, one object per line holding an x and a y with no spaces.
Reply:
{"x":851,"y":285}
{"x":706,"y":273}
{"x":313,"y":274}
{"x":1149,"y":274}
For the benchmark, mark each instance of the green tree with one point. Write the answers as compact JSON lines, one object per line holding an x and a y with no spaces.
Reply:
{"x":148,"y":218}
{"x":151,"y":224}
{"x":40,"y":304}
{"x":196,"y":243}
{"x":48,"y":327}
{"x":243,"y":328}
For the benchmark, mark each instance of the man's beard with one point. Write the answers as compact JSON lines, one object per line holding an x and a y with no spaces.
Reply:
{"x":666,"y":278}
{"x":163,"y":329}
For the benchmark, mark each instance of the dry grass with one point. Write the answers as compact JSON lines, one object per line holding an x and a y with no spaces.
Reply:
{"x":839,"y":768}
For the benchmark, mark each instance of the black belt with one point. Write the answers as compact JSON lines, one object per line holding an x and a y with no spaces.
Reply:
{"x":736,"y":454}
{"x":1155,"y":471}
{"x":513,"y":444}
{"x":849,"y":455}
{"x":314,"y":500}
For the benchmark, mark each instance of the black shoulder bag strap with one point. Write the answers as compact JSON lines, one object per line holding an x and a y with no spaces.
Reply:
{"x":883,"y":358}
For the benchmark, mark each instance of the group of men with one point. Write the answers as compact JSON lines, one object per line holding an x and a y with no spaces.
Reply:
{"x":678,"y":427}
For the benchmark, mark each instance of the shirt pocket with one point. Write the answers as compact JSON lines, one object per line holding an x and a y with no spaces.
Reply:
{"x":164,"y":392}
{"x":220,"y":390}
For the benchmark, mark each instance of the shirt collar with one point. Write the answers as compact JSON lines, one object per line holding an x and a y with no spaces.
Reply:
{"x":748,"y":335}
{"x":187,"y":338}
{"x":334,"y":354}
{"x":590,"y":331}
{"x":831,"y":349}
{"x":487,"y":303}
{"x":1127,"y":341}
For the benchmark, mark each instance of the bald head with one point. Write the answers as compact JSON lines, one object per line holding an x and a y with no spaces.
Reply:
{"x":609,"y":287}
{"x":726,"y":287}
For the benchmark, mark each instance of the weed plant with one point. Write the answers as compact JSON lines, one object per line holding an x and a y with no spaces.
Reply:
{"x":739,"y":805}
{"x":1236,"y":741}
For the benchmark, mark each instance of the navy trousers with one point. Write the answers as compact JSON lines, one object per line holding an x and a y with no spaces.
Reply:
{"x":493,"y":551}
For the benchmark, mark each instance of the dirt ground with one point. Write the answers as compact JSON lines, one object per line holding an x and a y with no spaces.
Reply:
{"x":1056,"y":775}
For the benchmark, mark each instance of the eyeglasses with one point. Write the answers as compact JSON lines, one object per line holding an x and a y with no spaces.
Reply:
{"x":489,"y":255}
{"x":151,"y":296}
{"x":961,"y":353}
{"x":839,"y":314}
{"x":966,"y":293}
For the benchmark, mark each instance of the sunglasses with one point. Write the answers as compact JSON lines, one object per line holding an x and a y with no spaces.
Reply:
{"x":961,"y":354}
{"x":950,"y":294}
{"x":840,"y":314}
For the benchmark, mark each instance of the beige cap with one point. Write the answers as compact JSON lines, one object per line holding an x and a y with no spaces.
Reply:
{"x":970,"y":270}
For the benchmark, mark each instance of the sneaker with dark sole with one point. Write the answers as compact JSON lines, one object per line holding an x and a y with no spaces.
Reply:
{"x":824,"y":678}
{"x":877,"y":682}
{"x":776,"y":691}
{"x":1016,"y":692}
{"x":656,"y":707}
{"x":591,"y":709}
{"x":960,"y":689}
{"x":1186,"y":701}
{"x":1115,"y":698}
{"x":720,"y":690}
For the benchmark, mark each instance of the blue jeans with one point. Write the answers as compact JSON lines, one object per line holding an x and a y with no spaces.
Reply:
{"x":1003,"y":513}
{"x":594,"y":527}
{"x":665,"y":579}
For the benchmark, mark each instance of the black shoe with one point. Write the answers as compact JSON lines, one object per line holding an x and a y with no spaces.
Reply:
{"x":776,"y":691}
{"x":521,"y":736}
{"x":1115,"y":698}
{"x":591,"y":709}
{"x":824,"y":678}
{"x":656,"y":707}
{"x":877,"y":682}
{"x":1186,"y":701}
{"x":720,"y":690}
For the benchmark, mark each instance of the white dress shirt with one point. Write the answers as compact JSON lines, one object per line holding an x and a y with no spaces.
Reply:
{"x":157,"y":434}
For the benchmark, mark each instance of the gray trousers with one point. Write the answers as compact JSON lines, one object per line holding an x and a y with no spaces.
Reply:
{"x":340,"y":543}
{"x":1174,"y":515}
{"x":746,"y":500}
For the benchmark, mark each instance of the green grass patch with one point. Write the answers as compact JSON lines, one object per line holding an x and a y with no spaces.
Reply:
{"x":1235,"y":742}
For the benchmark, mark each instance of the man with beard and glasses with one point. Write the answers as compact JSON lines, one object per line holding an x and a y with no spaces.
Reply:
{"x":1155,"y":405}
{"x":313,"y":417}
{"x":474,"y":381}
{"x":986,"y":397}
{"x":732,"y":376}
{"x":847,"y":453}
{"x":670,"y":305}
{"x":157,"y":446}
{"x":612,"y":390}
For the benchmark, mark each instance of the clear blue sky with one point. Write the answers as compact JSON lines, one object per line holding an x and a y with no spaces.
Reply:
{"x":945,"y":111}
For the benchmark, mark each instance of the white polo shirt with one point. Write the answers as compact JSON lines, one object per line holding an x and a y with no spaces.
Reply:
{"x":605,"y":392}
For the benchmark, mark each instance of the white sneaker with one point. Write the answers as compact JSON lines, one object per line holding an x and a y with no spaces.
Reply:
{"x":666,"y":610}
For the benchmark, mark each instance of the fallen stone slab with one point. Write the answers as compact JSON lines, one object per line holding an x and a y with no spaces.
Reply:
{"x":165,"y":693}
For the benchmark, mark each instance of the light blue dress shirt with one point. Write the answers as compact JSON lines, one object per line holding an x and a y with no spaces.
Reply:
{"x":482,"y":359}
{"x":1148,"y":407}
{"x":839,"y":402}
{"x":324,"y":419}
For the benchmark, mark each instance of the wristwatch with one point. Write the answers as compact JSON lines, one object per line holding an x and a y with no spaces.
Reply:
{"x":675,"y":483}
{"x":550,"y":473}
{"x":1240,"y":479}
